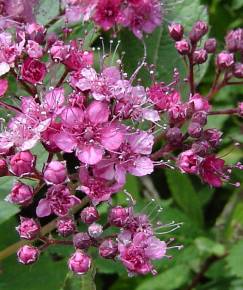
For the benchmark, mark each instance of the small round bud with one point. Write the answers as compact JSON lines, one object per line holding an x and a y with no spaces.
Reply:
{"x":66,"y":226}
{"x":176,"y":31}
{"x":55,"y":172}
{"x":200,"y":117}
{"x":210,"y":45}
{"x":234,"y":40}
{"x":195,"y":130}
{"x":82,"y":241}
{"x":200,"y":56}
{"x":28,"y":255}
{"x":89,"y":215}
{"x":3,"y":168}
{"x":28,"y":228}
{"x":238,"y":70}
{"x":174,"y":136}
{"x":79,"y":262}
{"x":108,"y":249}
{"x":22,"y":163}
{"x":188,"y":162}
{"x":118,"y":216}
{"x":95,"y":230}
{"x":224,"y":60}
{"x":200,"y":28}
{"x":201,"y":147}
{"x":21,"y":194}
{"x":183,"y":47}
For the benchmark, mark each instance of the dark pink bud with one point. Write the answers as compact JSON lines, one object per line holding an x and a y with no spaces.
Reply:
{"x":234,"y":40}
{"x":200,"y":117}
{"x":200,"y":28}
{"x":238,"y":70}
{"x":33,"y":71}
{"x":66,"y":226}
{"x":55,"y":172}
{"x":79,"y":262}
{"x":108,"y":249}
{"x":22,"y":163}
{"x":21,"y":194}
{"x":183,"y":47}
{"x":48,"y":137}
{"x":89,"y":215}
{"x":28,"y":228}
{"x":210,"y":45}
{"x":35,"y":32}
{"x":28,"y":255}
{"x":118,"y":216}
{"x":195,"y":130}
{"x":201,"y":147}
{"x":174,"y":136}
{"x":176,"y":31}
{"x":188,"y":162}
{"x":224,"y":60}
{"x":213,"y":136}
{"x":200,"y":56}
{"x":3,"y":168}
{"x":95,"y":230}
{"x":82,"y":241}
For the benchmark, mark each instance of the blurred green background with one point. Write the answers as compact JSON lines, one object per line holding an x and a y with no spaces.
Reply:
{"x":213,"y":218}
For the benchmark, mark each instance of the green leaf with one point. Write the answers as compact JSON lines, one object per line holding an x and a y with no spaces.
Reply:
{"x":234,"y":259}
{"x":47,"y":10}
{"x":7,"y":210}
{"x":160,"y":48}
{"x":82,"y":282}
{"x":185,"y":195}
{"x":168,"y":280}
{"x":208,"y":246}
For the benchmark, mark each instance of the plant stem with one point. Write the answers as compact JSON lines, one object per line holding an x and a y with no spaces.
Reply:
{"x":224,"y":112}
{"x":9,"y":107}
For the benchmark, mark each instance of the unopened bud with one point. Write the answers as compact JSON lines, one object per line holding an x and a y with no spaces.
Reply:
{"x":82,"y":241}
{"x":89,"y":215}
{"x":79,"y":262}
{"x":108,"y":249}
{"x":195,"y":130}
{"x":183,"y":47}
{"x":28,"y":228}
{"x":200,"y":56}
{"x":95,"y":230}
{"x":210,"y":45}
{"x":55,"y":172}
{"x":22,"y":163}
{"x":28,"y":255}
{"x":238,"y":70}
{"x":174,"y":136}
{"x":200,"y":28}
{"x":176,"y":31}
{"x":118,"y":216}
{"x":66,"y":226}
{"x":225,"y":60}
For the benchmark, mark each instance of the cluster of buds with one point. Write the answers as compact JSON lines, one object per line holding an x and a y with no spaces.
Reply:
{"x":110,"y":126}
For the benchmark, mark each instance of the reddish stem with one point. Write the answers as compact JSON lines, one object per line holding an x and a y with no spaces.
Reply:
{"x":224,"y":112}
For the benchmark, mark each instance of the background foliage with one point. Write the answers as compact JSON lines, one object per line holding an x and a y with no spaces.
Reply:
{"x":213,"y":219}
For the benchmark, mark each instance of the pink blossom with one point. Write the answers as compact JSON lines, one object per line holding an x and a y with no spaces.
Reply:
{"x":199,"y":103}
{"x":33,"y":49}
{"x":33,"y":71}
{"x":28,"y":254}
{"x":79,"y":262}
{"x":23,"y":163}
{"x":188,"y":162}
{"x":28,"y":228}
{"x":21,"y":194}
{"x":55,"y":172}
{"x":58,"y":200}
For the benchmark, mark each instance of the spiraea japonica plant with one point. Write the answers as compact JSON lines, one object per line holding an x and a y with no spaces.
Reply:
{"x":99,"y":124}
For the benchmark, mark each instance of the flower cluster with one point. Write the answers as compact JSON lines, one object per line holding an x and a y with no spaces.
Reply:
{"x":140,"y":16}
{"x":108,"y":125}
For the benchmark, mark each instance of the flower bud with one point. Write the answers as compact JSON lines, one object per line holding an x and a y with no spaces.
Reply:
{"x":176,"y":31}
{"x":66,"y":226}
{"x":200,"y":117}
{"x":201,"y":147}
{"x":183,"y":47}
{"x":22,"y":163}
{"x":48,"y":137}
{"x":28,"y":255}
{"x":200,"y":28}
{"x":188,"y":162}
{"x":118,"y":216}
{"x":82,"y":241}
{"x":240,"y":107}
{"x":108,"y":249}
{"x":3,"y":168}
{"x":21,"y":194}
{"x":200,"y":56}
{"x":224,"y":60}
{"x":89,"y":215}
{"x":79,"y":262}
{"x":238,"y":70}
{"x":213,"y":136}
{"x":55,"y":172}
{"x":234,"y":40}
{"x":28,"y":228}
{"x":33,"y":71}
{"x":210,"y":45}
{"x":174,"y":136}
{"x":195,"y":130}
{"x":95,"y":230}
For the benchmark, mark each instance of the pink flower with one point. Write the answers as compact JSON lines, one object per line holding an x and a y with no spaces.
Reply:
{"x":144,"y":17}
{"x":199,"y":103}
{"x":89,"y":133}
{"x":163,"y":97}
{"x":33,"y":71}
{"x":21,"y":194}
{"x":188,"y":162}
{"x":66,"y":226}
{"x":212,"y":171}
{"x":22,"y":163}
{"x":33,"y":49}
{"x":28,"y":255}
{"x":58,"y":200}
{"x":106,"y":13}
